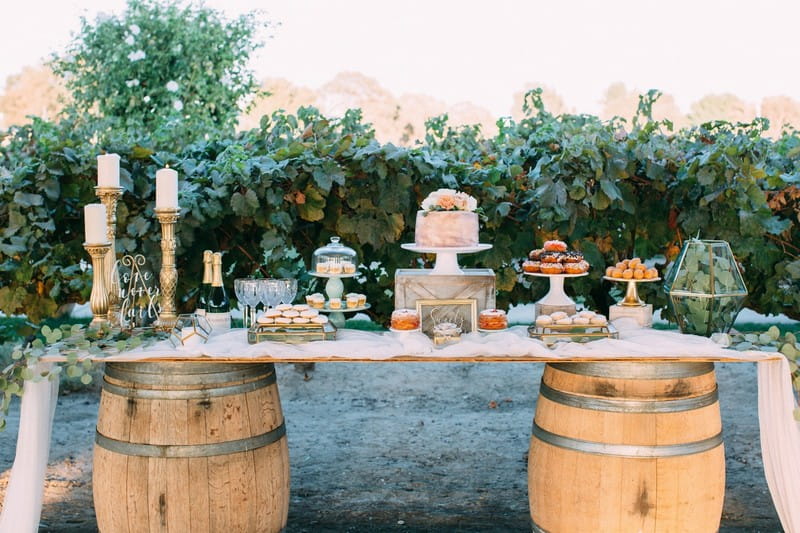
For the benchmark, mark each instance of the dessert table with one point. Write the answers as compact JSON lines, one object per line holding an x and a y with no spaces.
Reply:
{"x":780,"y":436}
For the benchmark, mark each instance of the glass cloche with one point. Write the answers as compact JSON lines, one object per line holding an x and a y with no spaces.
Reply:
{"x":335,"y":259}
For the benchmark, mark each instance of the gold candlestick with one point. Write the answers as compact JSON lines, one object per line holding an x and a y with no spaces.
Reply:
{"x":168,"y":277}
{"x":109,"y":196}
{"x":99,"y":297}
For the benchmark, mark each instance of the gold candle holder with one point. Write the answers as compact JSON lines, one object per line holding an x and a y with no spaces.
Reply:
{"x":168,"y":277}
{"x":110,"y":196}
{"x":99,"y":297}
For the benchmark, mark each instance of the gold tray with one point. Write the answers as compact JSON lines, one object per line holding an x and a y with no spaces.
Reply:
{"x":291,"y":333}
{"x":572,"y":333}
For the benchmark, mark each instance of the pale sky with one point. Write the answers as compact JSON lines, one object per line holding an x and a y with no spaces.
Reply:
{"x":484,"y":51}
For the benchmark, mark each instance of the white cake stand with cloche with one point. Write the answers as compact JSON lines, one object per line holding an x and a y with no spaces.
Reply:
{"x":335,"y":261}
{"x":447,"y":225}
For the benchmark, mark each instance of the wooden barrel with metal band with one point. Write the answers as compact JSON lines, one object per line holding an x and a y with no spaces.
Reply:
{"x":190,"y":447}
{"x":620,"y":447}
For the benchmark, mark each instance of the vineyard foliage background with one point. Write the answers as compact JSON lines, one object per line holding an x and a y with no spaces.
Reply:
{"x":269,"y":196}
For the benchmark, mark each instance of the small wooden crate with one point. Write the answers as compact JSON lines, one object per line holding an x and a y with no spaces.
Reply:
{"x":412,"y":284}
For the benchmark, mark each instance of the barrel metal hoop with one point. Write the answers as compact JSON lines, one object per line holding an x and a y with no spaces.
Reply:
{"x":189,"y":394}
{"x":190,"y":450}
{"x":617,"y":405}
{"x":639,"y":451}
{"x":633,"y":370}
{"x":536,"y":529}
{"x":166,"y":375}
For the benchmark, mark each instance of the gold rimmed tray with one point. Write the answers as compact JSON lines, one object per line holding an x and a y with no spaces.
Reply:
{"x":291,"y":333}
{"x":572,"y":333}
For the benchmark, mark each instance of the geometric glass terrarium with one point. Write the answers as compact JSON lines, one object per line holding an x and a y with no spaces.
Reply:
{"x":190,"y":329}
{"x":705,"y":288}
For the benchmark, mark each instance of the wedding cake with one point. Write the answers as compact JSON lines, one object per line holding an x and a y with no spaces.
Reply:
{"x":447,"y":219}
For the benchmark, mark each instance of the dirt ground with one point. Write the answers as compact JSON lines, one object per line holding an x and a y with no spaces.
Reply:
{"x":406,"y":447}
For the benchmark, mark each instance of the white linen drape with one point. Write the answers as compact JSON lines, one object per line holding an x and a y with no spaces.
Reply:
{"x":780,"y":433}
{"x":780,"y":440}
{"x":22,"y":507}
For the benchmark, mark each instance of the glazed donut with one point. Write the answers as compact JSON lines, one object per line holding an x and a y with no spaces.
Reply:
{"x":536,"y":255}
{"x":571,"y":257}
{"x":555,"y":246}
{"x":573,"y":268}
{"x":550,"y":257}
{"x":552,"y":268}
{"x":531,"y":266}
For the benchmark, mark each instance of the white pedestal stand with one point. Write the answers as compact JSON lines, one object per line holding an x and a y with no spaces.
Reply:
{"x":334,"y":288}
{"x":446,"y":257}
{"x":555,"y":299}
{"x":632,"y":306}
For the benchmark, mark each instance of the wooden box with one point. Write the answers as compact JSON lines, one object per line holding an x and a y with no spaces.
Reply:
{"x":411,"y":284}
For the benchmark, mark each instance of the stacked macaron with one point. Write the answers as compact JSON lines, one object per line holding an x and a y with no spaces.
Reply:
{"x":582,"y":318}
{"x":286,"y":314}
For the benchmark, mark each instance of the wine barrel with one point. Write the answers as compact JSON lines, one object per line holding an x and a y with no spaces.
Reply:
{"x":627,"y":447}
{"x":190,"y":447}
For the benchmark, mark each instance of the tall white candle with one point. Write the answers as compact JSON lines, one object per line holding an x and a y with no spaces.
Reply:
{"x":108,"y":170}
{"x":166,"y":188}
{"x":94,"y":219}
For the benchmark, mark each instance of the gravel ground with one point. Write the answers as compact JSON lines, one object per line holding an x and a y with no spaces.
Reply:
{"x":406,"y":447}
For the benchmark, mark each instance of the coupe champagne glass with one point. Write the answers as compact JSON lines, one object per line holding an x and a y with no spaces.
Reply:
{"x":289,"y":291}
{"x":270,"y":292}
{"x":252,"y":297}
{"x":238,"y":289}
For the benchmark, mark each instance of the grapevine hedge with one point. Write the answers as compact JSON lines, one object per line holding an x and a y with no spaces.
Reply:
{"x":270,"y":196}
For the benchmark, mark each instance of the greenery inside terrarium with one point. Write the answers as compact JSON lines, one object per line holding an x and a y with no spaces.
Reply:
{"x":695,"y":271}
{"x":703,"y":316}
{"x":705,"y":287}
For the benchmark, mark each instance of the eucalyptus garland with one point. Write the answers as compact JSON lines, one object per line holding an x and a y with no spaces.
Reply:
{"x":76,"y":347}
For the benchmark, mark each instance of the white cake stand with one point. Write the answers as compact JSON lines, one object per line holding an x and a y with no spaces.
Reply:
{"x":446,"y":257}
{"x":337,"y":315}
{"x":334,"y":288}
{"x":556,"y":297}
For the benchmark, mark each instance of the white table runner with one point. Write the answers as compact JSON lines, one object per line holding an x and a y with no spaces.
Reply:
{"x":780,"y":434}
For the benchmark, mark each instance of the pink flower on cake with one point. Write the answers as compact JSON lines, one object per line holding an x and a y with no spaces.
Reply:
{"x":449,"y":200}
{"x":465,"y":202}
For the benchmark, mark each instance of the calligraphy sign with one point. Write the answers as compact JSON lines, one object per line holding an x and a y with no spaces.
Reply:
{"x":138,"y":293}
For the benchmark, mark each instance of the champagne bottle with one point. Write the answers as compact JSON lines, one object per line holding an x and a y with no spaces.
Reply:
{"x":218,"y":310}
{"x":205,"y":287}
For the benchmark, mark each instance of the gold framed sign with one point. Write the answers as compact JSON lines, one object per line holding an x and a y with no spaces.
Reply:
{"x":461,"y":312}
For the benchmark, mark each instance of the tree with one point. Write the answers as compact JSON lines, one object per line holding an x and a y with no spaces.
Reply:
{"x":721,"y":107}
{"x":35,"y":91}
{"x":553,"y":102}
{"x":620,"y":102}
{"x":161,"y":62}
{"x":780,"y":110}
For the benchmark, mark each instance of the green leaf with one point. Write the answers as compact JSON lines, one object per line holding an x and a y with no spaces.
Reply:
{"x":611,"y":190}
{"x":28,"y":199}
{"x":774,"y":333}
{"x":313,"y":208}
{"x":246,"y":204}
